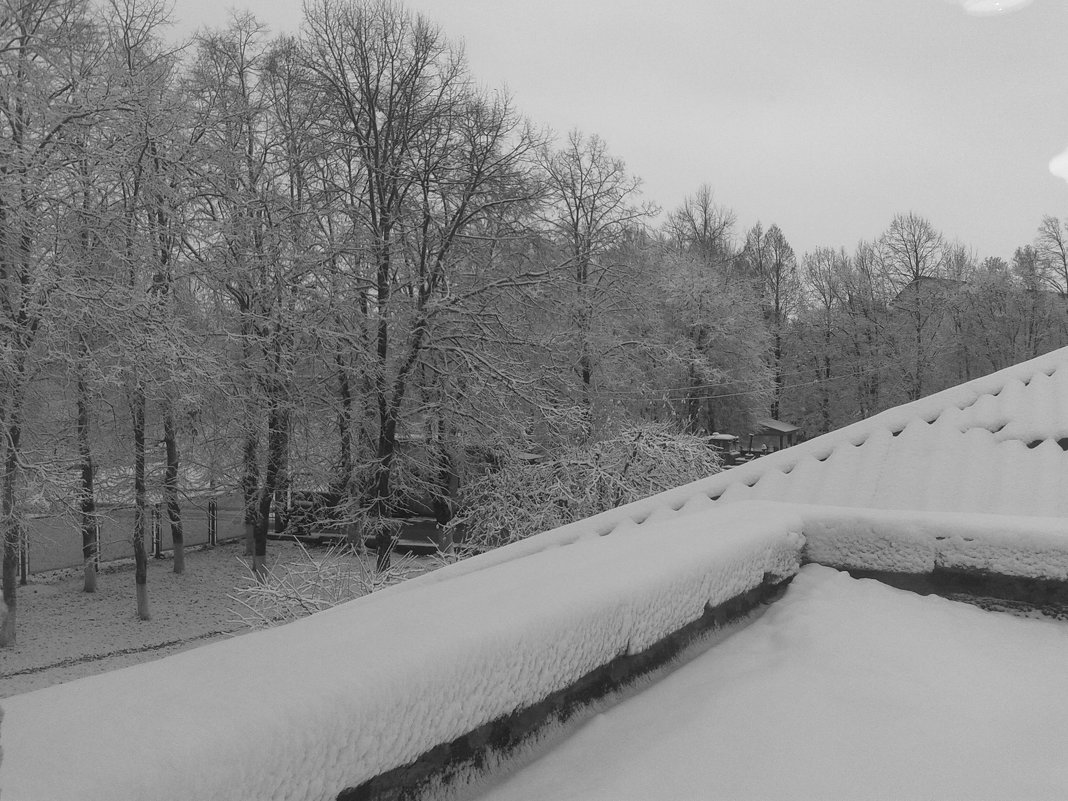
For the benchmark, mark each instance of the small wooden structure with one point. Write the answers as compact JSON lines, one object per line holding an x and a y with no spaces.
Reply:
{"x":775,"y":434}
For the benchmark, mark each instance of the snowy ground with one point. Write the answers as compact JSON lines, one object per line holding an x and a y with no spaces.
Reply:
{"x":844,"y":689}
{"x":65,"y":634}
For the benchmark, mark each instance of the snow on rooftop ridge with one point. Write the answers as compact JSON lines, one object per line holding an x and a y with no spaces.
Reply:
{"x":993,"y":445}
{"x":988,"y":445}
{"x":921,"y":542}
{"x":308,"y":709}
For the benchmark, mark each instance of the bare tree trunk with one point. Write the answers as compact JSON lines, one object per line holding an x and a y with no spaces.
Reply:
{"x":10,"y":447}
{"x":137,"y":406}
{"x":447,"y":479}
{"x":825,"y":380}
{"x":343,"y":481}
{"x":9,"y":521}
{"x":777,"y":397}
{"x":250,"y":464}
{"x":88,"y":499}
{"x":259,"y":536}
{"x":387,"y":445}
{"x":250,"y":482}
{"x":917,"y":381}
{"x":389,"y":411}
{"x":693,"y":400}
{"x":277,"y":454}
{"x":170,"y":488}
{"x":874,"y":384}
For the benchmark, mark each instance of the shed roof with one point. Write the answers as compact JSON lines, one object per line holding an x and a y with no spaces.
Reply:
{"x":778,"y":426}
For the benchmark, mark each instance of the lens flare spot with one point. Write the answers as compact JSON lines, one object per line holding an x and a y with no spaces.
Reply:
{"x":1058,"y":165}
{"x":989,"y":8}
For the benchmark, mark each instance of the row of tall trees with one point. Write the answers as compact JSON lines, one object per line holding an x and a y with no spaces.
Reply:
{"x":335,"y":261}
{"x":331,"y":261}
{"x":911,"y":313}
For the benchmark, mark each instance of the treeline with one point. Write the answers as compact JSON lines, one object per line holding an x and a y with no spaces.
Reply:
{"x":911,"y":313}
{"x":336,"y":261}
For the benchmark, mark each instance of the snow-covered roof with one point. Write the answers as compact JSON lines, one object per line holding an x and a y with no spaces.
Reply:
{"x":369,"y":686}
{"x":778,"y":426}
{"x":488,"y":650}
{"x":995,"y":445}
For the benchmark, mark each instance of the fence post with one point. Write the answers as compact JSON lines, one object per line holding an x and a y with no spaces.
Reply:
{"x":157,"y":531}
{"x":213,"y":522}
{"x":24,"y":553}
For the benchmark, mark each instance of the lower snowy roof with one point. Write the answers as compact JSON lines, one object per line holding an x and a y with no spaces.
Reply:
{"x":844,"y":689}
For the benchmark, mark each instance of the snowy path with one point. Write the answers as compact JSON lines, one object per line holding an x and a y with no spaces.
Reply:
{"x":844,"y":689}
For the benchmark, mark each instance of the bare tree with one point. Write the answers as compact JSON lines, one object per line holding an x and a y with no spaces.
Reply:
{"x":593,"y":208}
{"x":143,"y":69}
{"x":433,"y":159}
{"x":866,"y":296}
{"x":703,"y":228}
{"x":915,"y":257}
{"x":1027,"y":271}
{"x":711,"y":319}
{"x":768,"y":260}
{"x":1051,"y":246}
{"x":711,"y":346}
{"x":250,"y":251}
{"x":392,"y":82}
{"x":825,"y":272}
{"x":41,"y":44}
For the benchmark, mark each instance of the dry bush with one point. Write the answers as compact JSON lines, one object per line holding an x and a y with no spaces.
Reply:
{"x":315,"y":581}
{"x":524,"y":498}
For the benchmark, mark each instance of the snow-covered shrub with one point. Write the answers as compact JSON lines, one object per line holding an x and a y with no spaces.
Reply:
{"x":528,"y":496}
{"x":315,"y":581}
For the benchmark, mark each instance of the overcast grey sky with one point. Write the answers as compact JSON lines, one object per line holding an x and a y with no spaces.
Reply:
{"x":824,"y":116}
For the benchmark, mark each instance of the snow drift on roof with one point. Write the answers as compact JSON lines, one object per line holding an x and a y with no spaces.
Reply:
{"x":994,"y":445}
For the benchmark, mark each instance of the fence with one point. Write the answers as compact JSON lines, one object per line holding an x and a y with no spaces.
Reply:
{"x":55,"y":542}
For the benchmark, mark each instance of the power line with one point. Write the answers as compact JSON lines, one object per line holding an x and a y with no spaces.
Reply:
{"x":639,"y":393}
